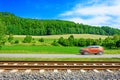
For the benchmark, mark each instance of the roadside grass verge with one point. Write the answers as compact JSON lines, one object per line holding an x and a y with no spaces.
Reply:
{"x":40,"y":49}
{"x":48,"y":49}
{"x":58,"y":59}
{"x":112,"y":51}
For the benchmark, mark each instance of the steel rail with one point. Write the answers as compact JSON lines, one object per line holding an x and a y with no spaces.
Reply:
{"x":8,"y":65}
{"x":68,"y":61}
{"x":61,"y":62}
{"x":59,"y":67}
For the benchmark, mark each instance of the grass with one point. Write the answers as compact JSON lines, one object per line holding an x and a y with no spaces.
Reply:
{"x":36,"y":39}
{"x":59,"y":59}
{"x":48,"y":50}
{"x":51,"y":38}
{"x":46,"y":47}
{"x":92,"y":36}
{"x":39,"y":49}
{"x":112,"y":51}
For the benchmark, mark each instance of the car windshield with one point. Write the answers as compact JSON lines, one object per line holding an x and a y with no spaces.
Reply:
{"x":93,"y":47}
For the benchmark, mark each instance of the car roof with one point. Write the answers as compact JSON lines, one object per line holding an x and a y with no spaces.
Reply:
{"x":95,"y":46}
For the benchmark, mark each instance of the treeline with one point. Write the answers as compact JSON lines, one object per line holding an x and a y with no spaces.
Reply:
{"x":109,"y":42}
{"x":25,"y":26}
{"x":27,"y":39}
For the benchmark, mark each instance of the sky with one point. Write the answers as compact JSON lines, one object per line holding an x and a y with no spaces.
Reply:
{"x":91,"y":12}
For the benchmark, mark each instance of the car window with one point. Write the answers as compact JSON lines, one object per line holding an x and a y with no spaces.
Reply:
{"x":93,"y":46}
{"x":96,"y":47}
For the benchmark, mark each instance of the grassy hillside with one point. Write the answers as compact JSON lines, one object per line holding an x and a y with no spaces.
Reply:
{"x":77,"y":36}
{"x":26,"y":26}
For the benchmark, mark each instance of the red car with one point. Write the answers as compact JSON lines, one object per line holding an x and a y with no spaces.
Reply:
{"x":92,"y":50}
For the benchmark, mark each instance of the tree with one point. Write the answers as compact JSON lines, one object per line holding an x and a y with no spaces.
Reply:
{"x":27,"y":39}
{"x":54,"y":43}
{"x":118,"y":44}
{"x":16,"y":41}
{"x":89,"y":42}
{"x":110,"y":44}
{"x":82,"y":42}
{"x":116,"y":37}
{"x":95,"y":42}
{"x":61,"y":40}
{"x":22,"y":26}
{"x":76,"y":42}
{"x":71,"y":40}
{"x":10,"y":38}
{"x":2,"y":30}
{"x":100,"y":41}
{"x":66,"y":42}
{"x":41,"y":40}
{"x":2,"y":34}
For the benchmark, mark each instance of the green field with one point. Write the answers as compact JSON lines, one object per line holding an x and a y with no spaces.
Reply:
{"x":48,"y":50}
{"x":50,"y":38}
{"x":46,"y":47}
{"x":77,"y":36}
{"x":40,"y":49}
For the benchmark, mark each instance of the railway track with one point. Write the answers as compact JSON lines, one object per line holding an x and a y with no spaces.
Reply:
{"x":59,"y":70}
{"x":59,"y":65}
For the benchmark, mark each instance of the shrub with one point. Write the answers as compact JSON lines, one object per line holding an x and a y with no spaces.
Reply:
{"x":10,"y":38}
{"x":55,"y":43}
{"x":27,"y":39}
{"x":41,"y":40}
{"x":16,"y":41}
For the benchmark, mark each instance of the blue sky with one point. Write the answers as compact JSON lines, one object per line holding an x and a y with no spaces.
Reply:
{"x":92,"y":12}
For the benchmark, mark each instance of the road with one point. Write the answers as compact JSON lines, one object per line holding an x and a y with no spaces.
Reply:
{"x":59,"y":56}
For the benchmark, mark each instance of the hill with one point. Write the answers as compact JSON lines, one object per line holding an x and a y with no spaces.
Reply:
{"x":25,"y":26}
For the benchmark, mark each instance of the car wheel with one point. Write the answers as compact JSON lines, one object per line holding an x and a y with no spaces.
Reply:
{"x":85,"y":53}
{"x":100,"y":53}
{"x":82,"y":53}
{"x":95,"y":53}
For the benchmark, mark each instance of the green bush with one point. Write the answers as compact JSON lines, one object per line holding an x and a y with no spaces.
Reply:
{"x":41,"y":40}
{"x":0,"y":47}
{"x":10,"y":38}
{"x":55,"y":43}
{"x":16,"y":41}
{"x":27,"y":39}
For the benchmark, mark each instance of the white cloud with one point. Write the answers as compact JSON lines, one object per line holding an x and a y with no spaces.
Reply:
{"x":99,"y":12}
{"x":98,"y":20}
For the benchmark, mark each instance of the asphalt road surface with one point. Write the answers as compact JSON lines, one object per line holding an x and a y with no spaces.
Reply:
{"x":60,"y":56}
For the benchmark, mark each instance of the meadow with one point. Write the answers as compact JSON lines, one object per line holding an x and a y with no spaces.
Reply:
{"x":28,"y":49}
{"x":50,"y":38}
{"x":77,"y":36}
{"x":39,"y":49}
{"x":46,"y":47}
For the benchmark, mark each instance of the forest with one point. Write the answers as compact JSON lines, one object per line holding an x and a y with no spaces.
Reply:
{"x":25,"y":26}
